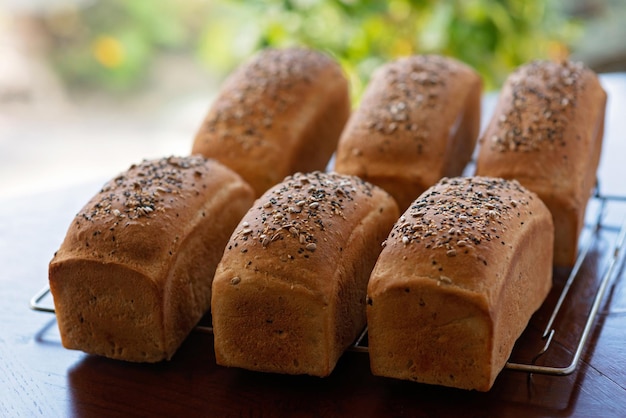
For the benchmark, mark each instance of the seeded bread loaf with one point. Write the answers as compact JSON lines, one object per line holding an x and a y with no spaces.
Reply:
{"x":460,"y":275}
{"x":289,"y":293}
{"x":547,"y":133}
{"x":133,"y":275}
{"x":280,"y":113}
{"x":418,"y":121}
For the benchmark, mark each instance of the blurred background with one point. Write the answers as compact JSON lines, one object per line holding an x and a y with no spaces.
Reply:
{"x":87,"y":87}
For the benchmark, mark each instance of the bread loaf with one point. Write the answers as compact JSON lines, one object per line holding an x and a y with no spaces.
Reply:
{"x":418,"y":121}
{"x":459,"y":277}
{"x":279,"y":113}
{"x":289,"y":293}
{"x":547,"y":133}
{"x":133,"y":275}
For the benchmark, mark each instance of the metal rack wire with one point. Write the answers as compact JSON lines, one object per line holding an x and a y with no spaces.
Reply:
{"x":610,"y":271}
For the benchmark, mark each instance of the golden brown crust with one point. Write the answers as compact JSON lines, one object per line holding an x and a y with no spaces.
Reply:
{"x":134,"y":273}
{"x":289,"y":294}
{"x":418,"y":121}
{"x":461,"y":273}
{"x":547,"y":132}
{"x":280,"y":113}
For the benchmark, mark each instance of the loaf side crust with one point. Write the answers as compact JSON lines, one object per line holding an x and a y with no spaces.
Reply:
{"x":133,"y":274}
{"x":460,"y":275}
{"x":417,"y":122}
{"x":547,"y":132}
{"x":279,"y":113}
{"x":289,"y":293}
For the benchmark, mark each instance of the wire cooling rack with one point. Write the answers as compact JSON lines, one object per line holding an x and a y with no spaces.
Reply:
{"x":588,"y":240}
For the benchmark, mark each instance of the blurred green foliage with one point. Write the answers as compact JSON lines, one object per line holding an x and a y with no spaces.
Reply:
{"x":112,"y":44}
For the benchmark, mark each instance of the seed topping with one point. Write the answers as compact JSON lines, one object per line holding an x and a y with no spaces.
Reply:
{"x":145,"y":190}
{"x":544,"y":97}
{"x":458,"y":215}
{"x":141,"y":190}
{"x":258,"y":92}
{"x":302,"y":208}
{"x":412,"y":85}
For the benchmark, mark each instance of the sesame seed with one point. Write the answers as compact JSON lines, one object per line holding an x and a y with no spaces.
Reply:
{"x":445,"y":223}
{"x":138,"y":190}
{"x":326,"y":194}
{"x":516,"y":131}
{"x":445,"y":279}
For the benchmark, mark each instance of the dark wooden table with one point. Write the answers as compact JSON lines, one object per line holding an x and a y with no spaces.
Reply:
{"x":38,"y":377}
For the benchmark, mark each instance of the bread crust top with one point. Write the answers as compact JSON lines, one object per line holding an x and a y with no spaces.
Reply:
{"x":406,"y":114}
{"x":267,"y":107}
{"x":461,"y":232}
{"x":130,"y":220}
{"x":298,"y":229}
{"x":547,"y":130}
